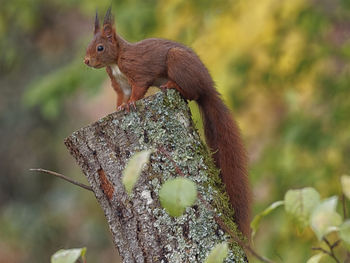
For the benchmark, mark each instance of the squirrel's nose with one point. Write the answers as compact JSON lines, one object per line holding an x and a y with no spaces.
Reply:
{"x":86,"y":61}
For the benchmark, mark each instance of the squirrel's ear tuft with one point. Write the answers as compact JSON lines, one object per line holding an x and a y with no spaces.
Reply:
{"x":97,"y":24}
{"x":108,"y":28}
{"x":108,"y":20}
{"x":108,"y":31}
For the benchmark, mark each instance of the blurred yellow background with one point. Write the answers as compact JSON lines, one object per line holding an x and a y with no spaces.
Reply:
{"x":282,"y":67}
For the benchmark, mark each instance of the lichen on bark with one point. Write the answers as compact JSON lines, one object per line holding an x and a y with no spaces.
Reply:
{"x":142,"y":230}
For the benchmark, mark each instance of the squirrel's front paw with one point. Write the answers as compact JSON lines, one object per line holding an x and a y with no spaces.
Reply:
{"x":123,"y":106}
{"x":131,"y":104}
{"x":127,"y":106}
{"x":163,"y":87}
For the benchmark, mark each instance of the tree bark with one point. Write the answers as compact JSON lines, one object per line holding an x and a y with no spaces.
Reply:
{"x":142,"y":230}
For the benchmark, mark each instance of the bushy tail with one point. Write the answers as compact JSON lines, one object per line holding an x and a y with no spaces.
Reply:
{"x":223,"y":137}
{"x":193,"y":81}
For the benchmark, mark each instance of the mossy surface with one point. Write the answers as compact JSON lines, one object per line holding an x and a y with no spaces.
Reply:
{"x":141,"y":228}
{"x":194,"y":160}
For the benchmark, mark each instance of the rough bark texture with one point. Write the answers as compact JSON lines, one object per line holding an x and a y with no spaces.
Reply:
{"x":142,"y":230}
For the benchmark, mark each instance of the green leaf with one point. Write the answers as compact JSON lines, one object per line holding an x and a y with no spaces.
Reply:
{"x":324,"y":219}
{"x":344,"y":233}
{"x":300,"y":203}
{"x":345,"y":183}
{"x":177,"y":194}
{"x":316,"y":258}
{"x":256,"y":221}
{"x":68,"y":255}
{"x":133,"y":169}
{"x":218,"y":253}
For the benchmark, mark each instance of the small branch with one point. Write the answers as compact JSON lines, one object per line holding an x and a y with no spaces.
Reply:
{"x":336,"y":243}
{"x":331,"y":247}
{"x":327,"y":242}
{"x":217,"y":218}
{"x":322,"y":250}
{"x":63,"y":177}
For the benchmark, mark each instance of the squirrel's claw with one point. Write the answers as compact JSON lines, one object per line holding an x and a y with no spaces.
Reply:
{"x":132,"y":104}
{"x":164,"y":87}
{"x":123,"y":106}
{"x":127,"y":106}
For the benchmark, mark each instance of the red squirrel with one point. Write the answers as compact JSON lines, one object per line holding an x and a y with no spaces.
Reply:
{"x":134,"y":67}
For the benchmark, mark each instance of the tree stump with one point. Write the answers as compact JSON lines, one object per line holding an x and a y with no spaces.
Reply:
{"x":142,"y":230}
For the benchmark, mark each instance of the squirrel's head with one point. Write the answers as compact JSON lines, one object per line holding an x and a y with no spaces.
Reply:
{"x":102,"y":50}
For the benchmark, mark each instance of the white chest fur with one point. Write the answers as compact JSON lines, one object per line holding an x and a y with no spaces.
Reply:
{"x":121,"y":79}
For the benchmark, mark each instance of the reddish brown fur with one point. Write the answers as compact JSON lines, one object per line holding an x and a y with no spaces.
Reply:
{"x":173,"y":65}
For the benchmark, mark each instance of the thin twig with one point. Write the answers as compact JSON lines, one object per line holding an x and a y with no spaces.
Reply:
{"x":322,"y":250}
{"x":62,"y":177}
{"x":331,"y":247}
{"x":217,"y":218}
{"x":336,"y":243}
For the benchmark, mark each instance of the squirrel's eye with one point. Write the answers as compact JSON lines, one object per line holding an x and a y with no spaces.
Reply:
{"x":100,"y":48}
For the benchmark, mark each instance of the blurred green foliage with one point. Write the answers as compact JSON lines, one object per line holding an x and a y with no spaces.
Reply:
{"x":50,"y":91}
{"x":283,"y":67}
